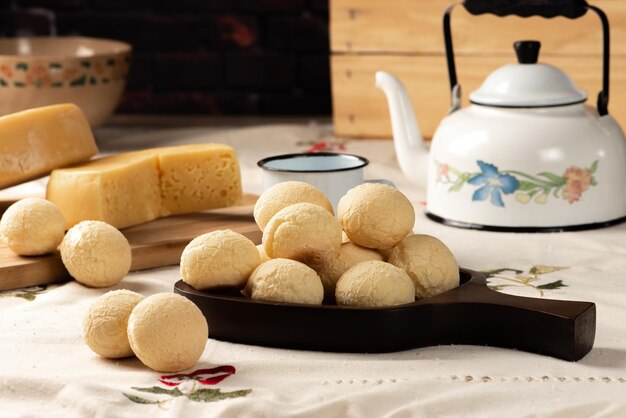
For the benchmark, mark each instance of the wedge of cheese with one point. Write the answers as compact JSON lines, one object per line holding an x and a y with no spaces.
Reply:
{"x":122,"y":190}
{"x":136,"y":187}
{"x":198,"y":177}
{"x":36,"y":141}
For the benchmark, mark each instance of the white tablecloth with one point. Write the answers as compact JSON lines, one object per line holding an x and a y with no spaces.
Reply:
{"x":46,"y":369}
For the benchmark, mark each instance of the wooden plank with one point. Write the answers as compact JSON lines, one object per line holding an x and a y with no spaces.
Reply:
{"x":154,"y":244}
{"x":414,"y":26}
{"x":360,"y":110}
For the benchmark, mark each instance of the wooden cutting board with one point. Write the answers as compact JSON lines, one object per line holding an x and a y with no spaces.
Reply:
{"x":154,"y":244}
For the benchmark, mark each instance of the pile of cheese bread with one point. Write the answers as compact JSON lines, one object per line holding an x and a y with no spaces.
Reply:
{"x":366,"y":256}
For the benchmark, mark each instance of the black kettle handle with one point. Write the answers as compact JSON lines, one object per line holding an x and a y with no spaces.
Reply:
{"x":525,"y":8}
{"x":571,"y":9}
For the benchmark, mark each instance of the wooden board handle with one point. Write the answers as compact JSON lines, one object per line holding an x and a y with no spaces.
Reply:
{"x":481,"y":316}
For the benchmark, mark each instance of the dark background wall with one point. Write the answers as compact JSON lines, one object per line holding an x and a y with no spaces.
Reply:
{"x":207,"y":57}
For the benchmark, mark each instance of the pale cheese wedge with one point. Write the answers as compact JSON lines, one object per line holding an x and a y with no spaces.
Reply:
{"x":122,"y":190}
{"x":198,"y":177}
{"x":136,"y":187}
{"x":36,"y":141}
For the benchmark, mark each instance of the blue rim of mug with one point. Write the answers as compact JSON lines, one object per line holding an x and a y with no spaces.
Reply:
{"x":261,"y":163}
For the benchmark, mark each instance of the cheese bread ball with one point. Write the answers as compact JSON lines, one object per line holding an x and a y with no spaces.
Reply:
{"x":32,"y":226}
{"x":106,"y":322}
{"x":331,"y":268}
{"x":429,"y":263}
{"x":167,"y":332}
{"x":303,"y":232}
{"x":218,"y":259}
{"x":283,"y":280}
{"x":285,"y":194}
{"x":264,"y":257}
{"x":96,"y":254}
{"x":375,"y":215}
{"x":386,"y":252}
{"x":373,"y":284}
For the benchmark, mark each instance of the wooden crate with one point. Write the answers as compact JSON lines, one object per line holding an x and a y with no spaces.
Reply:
{"x":405,"y":38}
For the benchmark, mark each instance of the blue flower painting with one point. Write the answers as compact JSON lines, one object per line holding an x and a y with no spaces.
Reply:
{"x":493,"y":183}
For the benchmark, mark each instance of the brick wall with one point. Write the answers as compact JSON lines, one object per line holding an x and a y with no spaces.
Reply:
{"x":201,"y":56}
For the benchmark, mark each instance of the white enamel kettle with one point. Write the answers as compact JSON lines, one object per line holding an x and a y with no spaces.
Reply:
{"x":527,"y":155}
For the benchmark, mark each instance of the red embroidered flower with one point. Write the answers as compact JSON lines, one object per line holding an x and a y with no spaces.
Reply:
{"x":327,"y":147}
{"x":204,"y":376}
{"x":577,"y":182}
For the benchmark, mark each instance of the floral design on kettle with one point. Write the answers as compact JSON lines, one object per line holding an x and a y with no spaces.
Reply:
{"x":493,"y":183}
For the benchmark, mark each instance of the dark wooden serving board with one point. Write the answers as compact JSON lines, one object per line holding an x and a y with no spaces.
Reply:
{"x":470,"y":314}
{"x":154,"y":244}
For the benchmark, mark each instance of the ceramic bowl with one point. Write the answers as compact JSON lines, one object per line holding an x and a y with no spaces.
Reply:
{"x":40,"y":71}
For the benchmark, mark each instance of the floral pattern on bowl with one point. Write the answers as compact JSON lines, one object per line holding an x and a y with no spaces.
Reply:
{"x":493,"y":184}
{"x":56,"y":74}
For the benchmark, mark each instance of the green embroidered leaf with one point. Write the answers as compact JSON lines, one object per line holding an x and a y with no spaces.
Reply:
{"x":28,"y":296}
{"x":110,"y":62}
{"x":57,"y":84}
{"x":21,"y":66}
{"x":551,"y":286}
{"x":213,"y":395}
{"x":527,"y":185}
{"x":3,"y":82}
{"x":594,"y":166}
{"x":80,"y":81}
{"x":554,"y":179}
{"x":93,"y":80}
{"x":498,"y":287}
{"x":160,"y":391}
{"x":594,"y":182}
{"x":55,"y":66}
{"x":105,"y":81}
{"x":492,"y":273}
{"x":545,"y":269}
{"x":139,"y":399}
{"x":19,"y":84}
{"x":85,"y":64}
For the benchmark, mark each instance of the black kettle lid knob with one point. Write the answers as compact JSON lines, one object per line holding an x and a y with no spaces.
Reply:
{"x":527,"y":51}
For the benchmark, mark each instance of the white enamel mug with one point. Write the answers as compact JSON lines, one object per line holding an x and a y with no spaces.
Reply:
{"x":334,"y":174}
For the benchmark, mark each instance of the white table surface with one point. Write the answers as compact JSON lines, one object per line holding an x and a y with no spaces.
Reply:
{"x":46,"y":369}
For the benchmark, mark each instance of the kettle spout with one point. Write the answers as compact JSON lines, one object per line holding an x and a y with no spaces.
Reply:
{"x":410,"y":148}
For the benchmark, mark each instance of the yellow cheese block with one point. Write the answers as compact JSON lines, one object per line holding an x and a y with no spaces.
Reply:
{"x":36,"y":141}
{"x":199,"y":177}
{"x":136,"y":187}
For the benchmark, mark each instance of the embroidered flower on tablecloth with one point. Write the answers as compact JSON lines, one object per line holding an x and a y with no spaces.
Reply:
{"x":204,"y":376}
{"x":497,"y":280}
{"x":193,"y":390}
{"x":28,"y":293}
{"x":323,"y":146}
{"x":327,"y":146}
